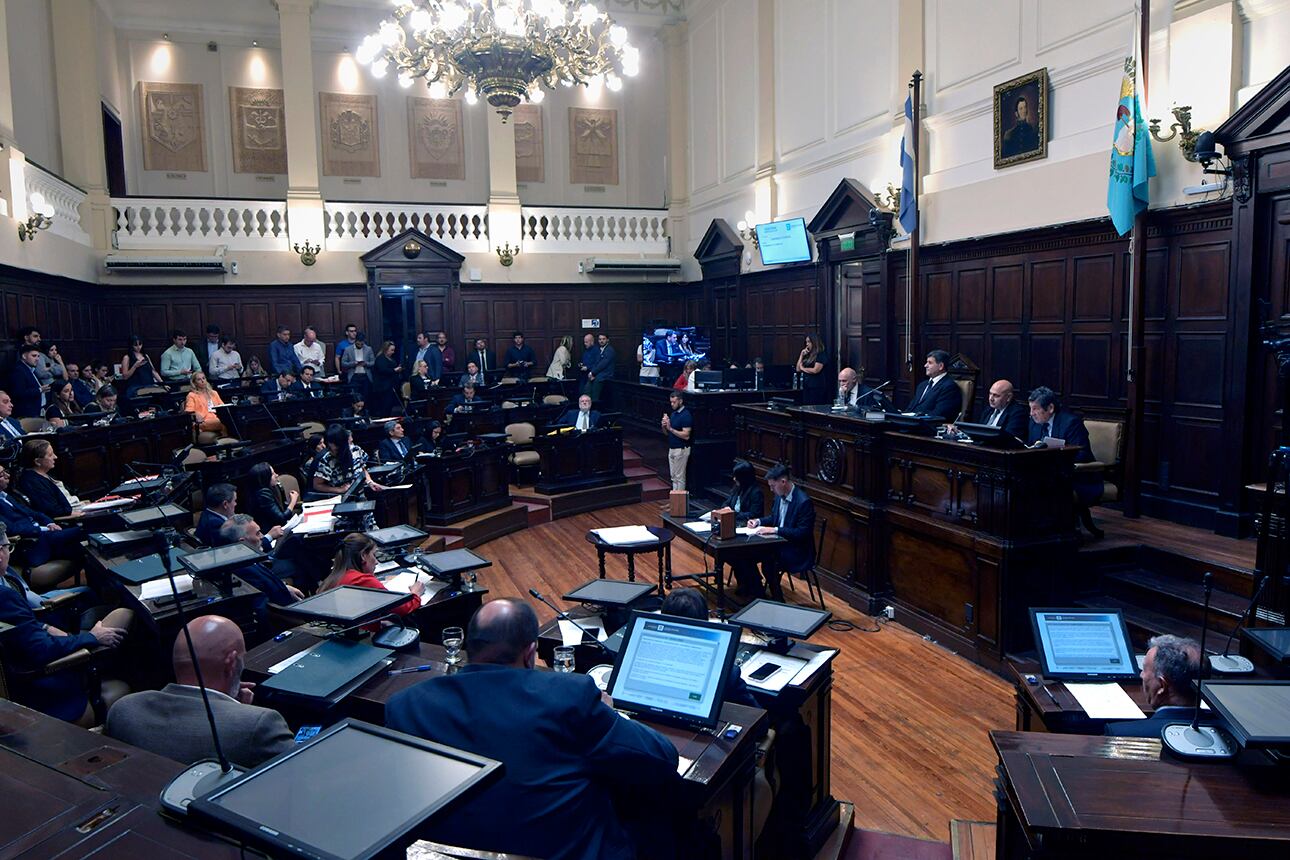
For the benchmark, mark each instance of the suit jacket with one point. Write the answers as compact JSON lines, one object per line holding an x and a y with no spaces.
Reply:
{"x":563,"y":757}
{"x":1015,"y":420}
{"x":266,"y":582}
{"x":25,"y":391}
{"x":282,"y":356}
{"x":208,"y":526}
{"x":570,"y":418}
{"x":21,"y":520}
{"x":27,"y":646}
{"x":751,"y":502}
{"x":271,"y":390}
{"x":799,"y":530}
{"x":82,"y":392}
{"x":14,"y":425}
{"x":267,"y":509}
{"x":588,"y":360}
{"x":604,"y":366}
{"x":172,"y":722}
{"x":944,"y":399}
{"x":299,"y":389}
{"x":1069,"y":426}
{"x":388,"y":452}
{"x":485,"y":359}
{"x":1152,"y":725}
{"x":478,"y":404}
{"x":43,"y":494}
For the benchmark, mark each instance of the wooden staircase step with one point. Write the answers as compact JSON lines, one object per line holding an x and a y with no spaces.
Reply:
{"x":538,"y":513}
{"x":1144,"y":623}
{"x":654,"y":490}
{"x":634,"y":472}
{"x":972,"y":840}
{"x":1163,"y":589}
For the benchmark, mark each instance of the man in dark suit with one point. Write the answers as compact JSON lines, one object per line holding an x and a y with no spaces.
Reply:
{"x":937,"y":394}
{"x":466,"y":401}
{"x":394,"y":447}
{"x":567,"y":754}
{"x":428,"y":352}
{"x":278,"y":388}
{"x":520,"y":357}
{"x":243,"y":529}
{"x":25,"y":389}
{"x":582,"y":418}
{"x":1047,"y":420}
{"x":792,"y":517}
{"x":603,"y":369}
{"x":48,"y":539}
{"x":590,"y":354}
{"x":851,"y":389}
{"x":305,"y":385}
{"x":1004,"y":412}
{"x":481,"y":356}
{"x":1169,"y":673}
{"x":172,"y":722}
{"x":9,"y":426}
{"x":221,"y":502}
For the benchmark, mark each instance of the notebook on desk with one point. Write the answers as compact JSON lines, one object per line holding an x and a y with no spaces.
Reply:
{"x":334,"y":667}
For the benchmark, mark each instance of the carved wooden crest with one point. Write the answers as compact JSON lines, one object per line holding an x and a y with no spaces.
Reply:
{"x":832,"y":461}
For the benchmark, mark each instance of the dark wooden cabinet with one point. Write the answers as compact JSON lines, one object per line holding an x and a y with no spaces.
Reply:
{"x":580,"y":461}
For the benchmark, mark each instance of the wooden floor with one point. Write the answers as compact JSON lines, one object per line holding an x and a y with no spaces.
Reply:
{"x":909,"y":718}
{"x":1193,"y":542}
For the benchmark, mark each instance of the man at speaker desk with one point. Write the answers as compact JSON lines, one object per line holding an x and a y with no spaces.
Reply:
{"x":792,"y":517}
{"x":1047,"y":420}
{"x":850,"y":388}
{"x":466,"y":401}
{"x":937,"y":394}
{"x":1169,"y":674}
{"x":583,"y":418}
{"x":1003,"y":411}
{"x":172,"y":722}
{"x":568,"y":756}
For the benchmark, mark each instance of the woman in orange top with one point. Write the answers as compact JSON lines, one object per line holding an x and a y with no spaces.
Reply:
{"x":355,"y":561}
{"x":201,"y":402}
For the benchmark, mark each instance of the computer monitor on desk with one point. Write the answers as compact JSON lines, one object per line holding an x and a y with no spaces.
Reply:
{"x":296,"y":805}
{"x":1083,"y":644}
{"x":705,"y":380}
{"x":781,"y":621}
{"x":218,"y":563}
{"x":674,"y":670}
{"x":989,"y":436}
{"x":346,"y":606}
{"x":154,"y":517}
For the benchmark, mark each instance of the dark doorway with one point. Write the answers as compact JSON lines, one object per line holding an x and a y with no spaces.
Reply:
{"x":113,"y":152}
{"x":398,"y":320}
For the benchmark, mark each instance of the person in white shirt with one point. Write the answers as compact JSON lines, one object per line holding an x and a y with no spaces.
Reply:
{"x":226,"y":363}
{"x":9,"y":426}
{"x":311,"y":351}
{"x":562,"y":359}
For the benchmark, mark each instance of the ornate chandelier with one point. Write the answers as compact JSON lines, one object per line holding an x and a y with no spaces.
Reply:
{"x":503,"y":50}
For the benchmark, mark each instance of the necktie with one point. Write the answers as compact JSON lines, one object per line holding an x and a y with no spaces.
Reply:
{"x":403,"y":449}
{"x":8,"y":427}
{"x":1048,"y":429}
{"x":582,"y":420}
{"x":994,"y":419}
{"x":483,"y":361}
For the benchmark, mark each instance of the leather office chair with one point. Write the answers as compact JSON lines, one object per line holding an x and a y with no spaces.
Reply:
{"x":510,"y":404}
{"x":405,"y":390}
{"x":538,"y":379}
{"x":289,"y":483}
{"x":964,"y":372}
{"x":1106,"y":442}
{"x":313,"y":428}
{"x":206,"y":438}
{"x":521,"y":435}
{"x":196,"y":455}
{"x":510,"y":380}
{"x":554,"y":400}
{"x":34,"y":425}
{"x":102,"y":694}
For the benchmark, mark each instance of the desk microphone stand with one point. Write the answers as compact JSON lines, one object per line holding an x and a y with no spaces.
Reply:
{"x":1196,"y":742}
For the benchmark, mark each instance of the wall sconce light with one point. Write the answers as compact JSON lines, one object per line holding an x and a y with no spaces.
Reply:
{"x":41,"y":218}
{"x":1181,"y":129}
{"x":308,"y":253}
{"x":747,"y":228}
{"x":889,"y":199}
{"x":506,"y":254}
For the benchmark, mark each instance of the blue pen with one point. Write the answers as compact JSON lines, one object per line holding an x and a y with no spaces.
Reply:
{"x":410,"y":669}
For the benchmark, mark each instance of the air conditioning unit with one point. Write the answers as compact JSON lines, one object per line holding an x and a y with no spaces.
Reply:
{"x":602,"y":265}
{"x":173,"y":265}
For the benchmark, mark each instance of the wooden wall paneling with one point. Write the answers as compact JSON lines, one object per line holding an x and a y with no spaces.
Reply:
{"x":322,"y":316}
{"x":1047,"y":300}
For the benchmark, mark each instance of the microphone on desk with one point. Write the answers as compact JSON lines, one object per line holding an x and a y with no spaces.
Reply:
{"x":1197,"y":742}
{"x":1226,"y":664}
{"x":204,"y":776}
{"x":564,"y":616}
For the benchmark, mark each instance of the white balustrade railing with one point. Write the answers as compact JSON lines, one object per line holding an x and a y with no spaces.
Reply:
{"x":363,"y":226}
{"x":239,"y":225}
{"x":567,"y":230}
{"x":63,"y":196}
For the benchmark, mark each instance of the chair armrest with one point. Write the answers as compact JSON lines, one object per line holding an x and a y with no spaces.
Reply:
{"x":1095,"y":466}
{"x":57,"y":601}
{"x":764,"y":745}
{"x":79,"y":657}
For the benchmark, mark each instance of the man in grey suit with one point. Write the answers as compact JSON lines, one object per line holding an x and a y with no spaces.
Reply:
{"x":172,"y":722}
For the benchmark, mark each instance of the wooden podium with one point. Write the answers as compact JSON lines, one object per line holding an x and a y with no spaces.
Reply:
{"x":579,"y":461}
{"x":456,"y":486}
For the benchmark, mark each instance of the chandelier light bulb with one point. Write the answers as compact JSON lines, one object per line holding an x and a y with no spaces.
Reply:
{"x":471,"y":97}
{"x":367,"y":51}
{"x":405,"y":80}
{"x":380,"y":68}
{"x":452,"y":16}
{"x":421,"y":20}
{"x":631,"y":61}
{"x":614,"y":82}
{"x":536,"y":95}
{"x":618,"y":35}
{"x":438,"y":90}
{"x":391,"y":34}
{"x":588,"y":15}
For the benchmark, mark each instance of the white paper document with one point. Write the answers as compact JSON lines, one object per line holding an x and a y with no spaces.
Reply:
{"x":161,"y":587}
{"x":1105,"y":701}
{"x":315,"y":524}
{"x":699,"y":528}
{"x":385,"y":567}
{"x":786,"y":671}
{"x":402,"y":581}
{"x":744,"y":530}
{"x":814,"y":660}
{"x":282,"y":664}
{"x":105,"y":505}
{"x":625,"y":535}
{"x":572,"y":633}
{"x":683,"y":765}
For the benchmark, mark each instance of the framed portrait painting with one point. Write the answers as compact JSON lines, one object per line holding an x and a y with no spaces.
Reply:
{"x":1021,"y":119}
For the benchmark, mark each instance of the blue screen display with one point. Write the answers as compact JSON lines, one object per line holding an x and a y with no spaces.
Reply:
{"x":783,"y":242}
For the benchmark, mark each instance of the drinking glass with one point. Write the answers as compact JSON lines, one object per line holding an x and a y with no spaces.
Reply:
{"x":563,"y":661}
{"x":470,"y":581}
{"x":452,"y":639}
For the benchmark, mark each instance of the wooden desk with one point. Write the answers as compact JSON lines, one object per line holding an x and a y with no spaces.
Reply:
{"x":1038,"y":711}
{"x":1068,"y":796}
{"x":258,"y":422}
{"x":234,"y":466}
{"x":92,"y":460}
{"x":961,"y":539}
{"x":72,"y":793}
{"x":740,"y":548}
{"x":579,"y":461}
{"x":455,"y":487}
{"x":662,"y":544}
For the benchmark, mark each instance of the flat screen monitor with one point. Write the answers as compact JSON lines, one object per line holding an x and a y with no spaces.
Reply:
{"x":780,"y":619}
{"x":673,"y":346}
{"x":396,"y":535}
{"x":610,"y":592}
{"x":207,"y":561}
{"x":674,"y":669}
{"x":137,"y":571}
{"x":784,"y":242}
{"x":990,"y":437}
{"x":296,"y":805}
{"x":1083,"y":644}
{"x":347,"y":604}
{"x":1257,"y":712}
{"x":143,"y":517}
{"x":739,"y":377}
{"x":708,"y":379}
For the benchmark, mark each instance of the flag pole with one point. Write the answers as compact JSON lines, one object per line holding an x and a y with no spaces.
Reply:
{"x":916,"y":86}
{"x":1136,"y":391}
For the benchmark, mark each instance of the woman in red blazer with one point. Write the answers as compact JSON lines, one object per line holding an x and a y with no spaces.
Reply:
{"x":355,"y":561}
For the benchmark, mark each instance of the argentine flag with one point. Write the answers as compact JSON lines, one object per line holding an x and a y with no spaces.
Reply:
{"x":908,"y":199}
{"x":1132,"y":162}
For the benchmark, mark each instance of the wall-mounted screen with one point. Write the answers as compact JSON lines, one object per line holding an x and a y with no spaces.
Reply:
{"x":663,"y":345}
{"x":784,"y":242}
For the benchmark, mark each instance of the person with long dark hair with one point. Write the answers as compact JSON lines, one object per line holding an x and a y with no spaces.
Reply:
{"x":62,"y":402}
{"x":271,"y":505}
{"x":136,"y":369}
{"x":342,"y":464}
{"x":812,"y":365}
{"x":385,"y":377}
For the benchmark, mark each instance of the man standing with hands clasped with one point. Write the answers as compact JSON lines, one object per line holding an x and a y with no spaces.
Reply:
{"x":679,"y":429}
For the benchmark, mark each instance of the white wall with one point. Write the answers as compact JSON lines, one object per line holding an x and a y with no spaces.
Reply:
{"x":31,"y":71}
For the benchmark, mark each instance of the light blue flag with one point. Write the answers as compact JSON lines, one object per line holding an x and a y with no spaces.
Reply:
{"x":908,"y":200}
{"x":1132,"y":162}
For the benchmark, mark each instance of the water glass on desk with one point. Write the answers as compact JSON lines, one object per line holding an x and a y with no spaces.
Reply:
{"x":563,"y":659}
{"x":469,"y":581}
{"x":452,"y":639}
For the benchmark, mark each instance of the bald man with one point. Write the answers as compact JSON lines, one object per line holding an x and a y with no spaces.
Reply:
{"x":172,"y":722}
{"x":850,"y":388}
{"x":1004,"y":412}
{"x":567,"y":753}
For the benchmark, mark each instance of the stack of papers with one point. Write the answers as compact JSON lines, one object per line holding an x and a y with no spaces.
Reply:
{"x":744,"y":530}
{"x":625,"y":535}
{"x":788,"y":668}
{"x":106,"y":503}
{"x":161,"y":587}
{"x":1105,"y":701}
{"x":572,"y":633}
{"x":402,"y":582}
{"x":700,"y":528}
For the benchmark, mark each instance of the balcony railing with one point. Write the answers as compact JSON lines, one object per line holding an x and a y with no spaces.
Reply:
{"x":240,"y":225}
{"x":362,"y":226}
{"x":566,"y":230}
{"x":63,"y":196}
